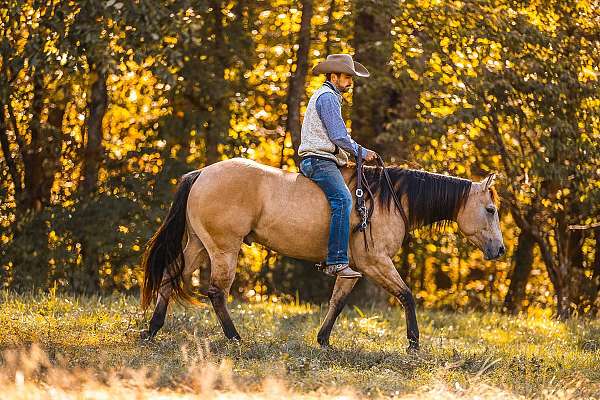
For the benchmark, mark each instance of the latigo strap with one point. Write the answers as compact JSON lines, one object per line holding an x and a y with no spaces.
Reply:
{"x":361,"y":207}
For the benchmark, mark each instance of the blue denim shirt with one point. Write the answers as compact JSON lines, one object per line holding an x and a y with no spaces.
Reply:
{"x":329,"y":109}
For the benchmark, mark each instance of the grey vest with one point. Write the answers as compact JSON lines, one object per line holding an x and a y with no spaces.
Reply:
{"x":314,"y":139}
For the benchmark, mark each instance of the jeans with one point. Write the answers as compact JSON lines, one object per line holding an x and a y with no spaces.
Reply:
{"x":327,"y":175}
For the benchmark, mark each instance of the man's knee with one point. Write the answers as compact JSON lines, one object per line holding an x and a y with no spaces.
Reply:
{"x":347,"y":200}
{"x":342,"y":202}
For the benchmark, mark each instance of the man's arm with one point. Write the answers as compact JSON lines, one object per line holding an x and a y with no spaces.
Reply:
{"x":329,"y":110}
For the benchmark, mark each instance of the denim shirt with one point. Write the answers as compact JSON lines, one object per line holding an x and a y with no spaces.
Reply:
{"x":329,"y":109}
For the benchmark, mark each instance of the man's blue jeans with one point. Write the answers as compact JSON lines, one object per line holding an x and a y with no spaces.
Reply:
{"x":327,"y":175}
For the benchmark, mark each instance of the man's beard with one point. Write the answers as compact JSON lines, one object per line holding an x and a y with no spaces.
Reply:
{"x":345,"y":89}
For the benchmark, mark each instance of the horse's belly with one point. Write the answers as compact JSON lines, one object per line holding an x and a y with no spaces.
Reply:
{"x":302,"y":244}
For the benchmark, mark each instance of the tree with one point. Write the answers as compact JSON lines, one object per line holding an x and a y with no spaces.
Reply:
{"x":517,"y":88}
{"x":296,"y":87}
{"x":374,"y":47}
{"x":523,"y":260}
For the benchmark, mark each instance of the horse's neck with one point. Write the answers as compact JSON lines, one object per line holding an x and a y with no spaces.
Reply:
{"x":349,"y":171}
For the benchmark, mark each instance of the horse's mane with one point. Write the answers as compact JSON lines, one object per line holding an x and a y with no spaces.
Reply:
{"x":433,"y":199}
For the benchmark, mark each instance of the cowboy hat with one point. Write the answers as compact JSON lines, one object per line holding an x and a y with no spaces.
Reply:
{"x":341,"y":63}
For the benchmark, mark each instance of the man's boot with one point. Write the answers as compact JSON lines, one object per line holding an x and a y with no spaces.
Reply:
{"x":341,"y":270}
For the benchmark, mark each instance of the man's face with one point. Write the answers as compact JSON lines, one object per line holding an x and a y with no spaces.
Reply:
{"x":342,"y":81}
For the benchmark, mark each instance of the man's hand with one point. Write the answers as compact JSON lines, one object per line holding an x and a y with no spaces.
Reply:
{"x":371,"y":155}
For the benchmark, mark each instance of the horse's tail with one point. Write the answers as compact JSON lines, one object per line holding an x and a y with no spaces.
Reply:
{"x":164,"y":251}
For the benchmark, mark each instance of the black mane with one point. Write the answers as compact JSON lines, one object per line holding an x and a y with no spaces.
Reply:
{"x":432,"y":198}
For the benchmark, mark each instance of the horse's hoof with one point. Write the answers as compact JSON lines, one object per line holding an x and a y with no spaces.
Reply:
{"x":146,"y":336}
{"x":412,"y":348}
{"x":236,"y":339}
{"x":324,"y":343}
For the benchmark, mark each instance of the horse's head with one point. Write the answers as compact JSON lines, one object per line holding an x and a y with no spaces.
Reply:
{"x":478,"y":219}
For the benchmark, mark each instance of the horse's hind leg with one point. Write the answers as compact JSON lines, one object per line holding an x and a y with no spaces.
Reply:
{"x":341,"y":290}
{"x":193,"y":254}
{"x":222,"y":273}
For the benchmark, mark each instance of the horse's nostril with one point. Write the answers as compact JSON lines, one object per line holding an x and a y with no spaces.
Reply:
{"x":501,"y":251}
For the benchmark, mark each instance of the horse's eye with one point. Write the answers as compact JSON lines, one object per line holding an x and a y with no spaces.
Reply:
{"x":491,"y":209}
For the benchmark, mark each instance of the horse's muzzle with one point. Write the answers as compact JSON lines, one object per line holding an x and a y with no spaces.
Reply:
{"x":494,"y":254}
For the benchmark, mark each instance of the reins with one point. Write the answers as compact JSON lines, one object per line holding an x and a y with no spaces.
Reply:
{"x":363,"y":211}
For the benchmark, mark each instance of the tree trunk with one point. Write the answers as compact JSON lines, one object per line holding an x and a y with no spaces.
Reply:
{"x":98,"y":105}
{"x":53,"y":150}
{"x":556,"y":277}
{"x":570,"y":271}
{"x":10,"y":160}
{"x":583,"y":291}
{"x":40,"y":158}
{"x":567,"y":276}
{"x":329,"y":27}
{"x":298,"y":78}
{"x":596,"y":268}
{"x":87,"y":279}
{"x":523,"y":260}
{"x":373,"y":45}
{"x":218,"y":122}
{"x":563,"y":303}
{"x":33,"y":155}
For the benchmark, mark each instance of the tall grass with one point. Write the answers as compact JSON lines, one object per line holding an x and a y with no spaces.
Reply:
{"x":87,"y":347}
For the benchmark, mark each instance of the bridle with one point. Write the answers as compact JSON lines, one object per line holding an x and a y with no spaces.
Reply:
{"x":365,"y":212}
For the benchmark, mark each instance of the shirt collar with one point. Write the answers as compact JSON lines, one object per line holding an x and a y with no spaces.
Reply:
{"x":332,"y":86}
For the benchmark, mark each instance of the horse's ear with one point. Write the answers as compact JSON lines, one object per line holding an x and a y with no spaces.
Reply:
{"x":489,"y":181}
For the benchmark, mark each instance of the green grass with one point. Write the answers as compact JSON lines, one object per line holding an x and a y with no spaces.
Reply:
{"x":461,"y":353}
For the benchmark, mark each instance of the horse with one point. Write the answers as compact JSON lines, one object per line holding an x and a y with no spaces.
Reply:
{"x":222,"y":205}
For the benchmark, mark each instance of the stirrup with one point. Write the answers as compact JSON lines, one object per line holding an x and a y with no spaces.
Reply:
{"x":321,"y":266}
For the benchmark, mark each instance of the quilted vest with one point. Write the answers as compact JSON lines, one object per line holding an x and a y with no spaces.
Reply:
{"x":314,"y":139}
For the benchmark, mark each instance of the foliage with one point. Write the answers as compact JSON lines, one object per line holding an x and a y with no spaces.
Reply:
{"x":513,"y":87}
{"x":103,"y":105}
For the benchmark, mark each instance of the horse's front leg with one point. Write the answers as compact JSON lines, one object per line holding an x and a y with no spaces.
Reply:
{"x":341,"y":290}
{"x":382,"y":271}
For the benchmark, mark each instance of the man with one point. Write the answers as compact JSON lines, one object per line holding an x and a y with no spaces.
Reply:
{"x":323,"y":147}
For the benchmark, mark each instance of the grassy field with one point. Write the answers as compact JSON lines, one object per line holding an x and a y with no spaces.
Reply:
{"x":89,"y":348}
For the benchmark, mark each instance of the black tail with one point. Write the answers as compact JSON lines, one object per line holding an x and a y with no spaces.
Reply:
{"x":164,"y":250}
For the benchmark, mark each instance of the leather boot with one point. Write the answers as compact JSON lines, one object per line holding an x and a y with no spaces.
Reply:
{"x":341,"y":270}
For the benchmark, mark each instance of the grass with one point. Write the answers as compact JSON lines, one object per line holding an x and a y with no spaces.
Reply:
{"x":88,"y":347}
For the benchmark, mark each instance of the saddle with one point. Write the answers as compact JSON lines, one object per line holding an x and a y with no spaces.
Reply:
{"x":365,"y":212}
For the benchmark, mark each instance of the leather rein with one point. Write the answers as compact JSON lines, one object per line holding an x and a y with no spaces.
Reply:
{"x":363,"y":211}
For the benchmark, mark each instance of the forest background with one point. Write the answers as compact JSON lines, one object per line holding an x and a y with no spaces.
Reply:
{"x":104,"y":105}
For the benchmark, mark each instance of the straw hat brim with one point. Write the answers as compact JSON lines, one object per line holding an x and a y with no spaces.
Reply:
{"x":328,"y":66}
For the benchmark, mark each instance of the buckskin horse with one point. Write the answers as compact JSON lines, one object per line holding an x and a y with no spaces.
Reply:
{"x":224,"y":204}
